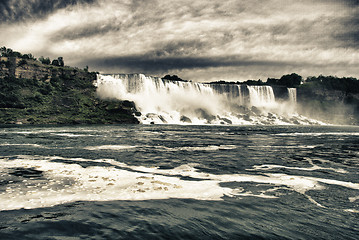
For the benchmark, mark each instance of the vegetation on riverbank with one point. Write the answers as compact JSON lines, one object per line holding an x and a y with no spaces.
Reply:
{"x":32,"y":92}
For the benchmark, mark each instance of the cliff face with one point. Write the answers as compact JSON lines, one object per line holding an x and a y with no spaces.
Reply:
{"x":32,"y":69}
{"x":7,"y":66}
{"x":280,"y":92}
{"x":34,"y":93}
{"x":328,"y":105}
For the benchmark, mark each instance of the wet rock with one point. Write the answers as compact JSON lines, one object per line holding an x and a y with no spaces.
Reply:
{"x":242,"y":109}
{"x":128,"y":104}
{"x":271,"y":116}
{"x":151,"y":115}
{"x":255,"y":110}
{"x":247,"y":118}
{"x":204,"y":115}
{"x":26,"y":172}
{"x":285,"y":120}
{"x":295,"y":121}
{"x":226,"y":120}
{"x":185,"y":119}
{"x":162,"y":119}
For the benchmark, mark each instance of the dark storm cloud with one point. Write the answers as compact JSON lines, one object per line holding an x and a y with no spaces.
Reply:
{"x":179,"y":48}
{"x":146,"y":63}
{"x":348,"y":35}
{"x":346,"y":32}
{"x":111,"y":25}
{"x":351,"y":2}
{"x":19,"y":10}
{"x":86,"y":31}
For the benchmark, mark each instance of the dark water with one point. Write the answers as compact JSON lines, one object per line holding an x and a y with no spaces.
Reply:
{"x":179,"y":182}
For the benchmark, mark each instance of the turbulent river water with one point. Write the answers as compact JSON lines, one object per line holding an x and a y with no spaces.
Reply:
{"x":179,"y":182}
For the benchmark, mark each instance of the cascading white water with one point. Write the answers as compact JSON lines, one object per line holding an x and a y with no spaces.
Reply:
{"x":262,"y":96}
{"x":176,"y":102}
{"x":292,"y":93}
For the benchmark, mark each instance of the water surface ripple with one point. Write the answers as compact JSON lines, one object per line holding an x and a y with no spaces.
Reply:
{"x":179,"y":182}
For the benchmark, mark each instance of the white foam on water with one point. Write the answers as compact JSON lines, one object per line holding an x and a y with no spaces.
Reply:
{"x":22,"y":132}
{"x":336,"y":182}
{"x":23,"y":144}
{"x":353,"y":199}
{"x":262,"y":194}
{"x":110,"y":147}
{"x":52,"y":131}
{"x":283,"y":147}
{"x":34,"y":131}
{"x":63,"y":183}
{"x":209,"y":148}
{"x":267,"y":167}
{"x":73,"y":135}
{"x":300,"y":184}
{"x":352,"y":210}
{"x":317,"y":134}
{"x":198,"y":148}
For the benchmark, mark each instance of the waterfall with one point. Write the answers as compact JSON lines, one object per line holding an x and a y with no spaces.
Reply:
{"x":292,"y":93}
{"x":178,"y":102}
{"x":262,"y":96}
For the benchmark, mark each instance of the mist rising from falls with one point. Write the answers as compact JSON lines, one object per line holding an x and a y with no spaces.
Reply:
{"x":178,"y":102}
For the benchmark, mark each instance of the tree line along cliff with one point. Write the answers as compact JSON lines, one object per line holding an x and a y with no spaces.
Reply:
{"x":33,"y":92}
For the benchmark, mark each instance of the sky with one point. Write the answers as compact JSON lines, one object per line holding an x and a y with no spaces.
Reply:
{"x":232,"y":40}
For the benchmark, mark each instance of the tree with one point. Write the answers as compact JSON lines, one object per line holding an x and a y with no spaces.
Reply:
{"x":173,"y":78}
{"x":28,"y":56}
{"x":3,"y":51}
{"x":22,"y":62}
{"x":61,"y":61}
{"x":55,"y":62}
{"x":272,"y":81}
{"x":16,"y":54}
{"x":43,"y":60}
{"x":290,"y":80}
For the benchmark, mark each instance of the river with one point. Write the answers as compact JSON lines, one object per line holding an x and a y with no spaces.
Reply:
{"x":179,"y":182}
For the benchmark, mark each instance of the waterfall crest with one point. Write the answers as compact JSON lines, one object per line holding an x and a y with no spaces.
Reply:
{"x":182,"y":102}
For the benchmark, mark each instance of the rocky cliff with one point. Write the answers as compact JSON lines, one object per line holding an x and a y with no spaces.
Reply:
{"x":36,"y":93}
{"x":329,"y":105}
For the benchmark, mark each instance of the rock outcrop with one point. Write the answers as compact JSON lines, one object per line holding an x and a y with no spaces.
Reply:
{"x":328,"y":105}
{"x":36,"y":93}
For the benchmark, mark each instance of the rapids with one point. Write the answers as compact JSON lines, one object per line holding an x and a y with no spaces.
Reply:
{"x":179,"y":182}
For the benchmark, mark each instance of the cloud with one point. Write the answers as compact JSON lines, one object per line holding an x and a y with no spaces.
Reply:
{"x":20,"y":10}
{"x":348,"y":36}
{"x":351,"y":2}
{"x":187,"y":36}
{"x":149,"y":63}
